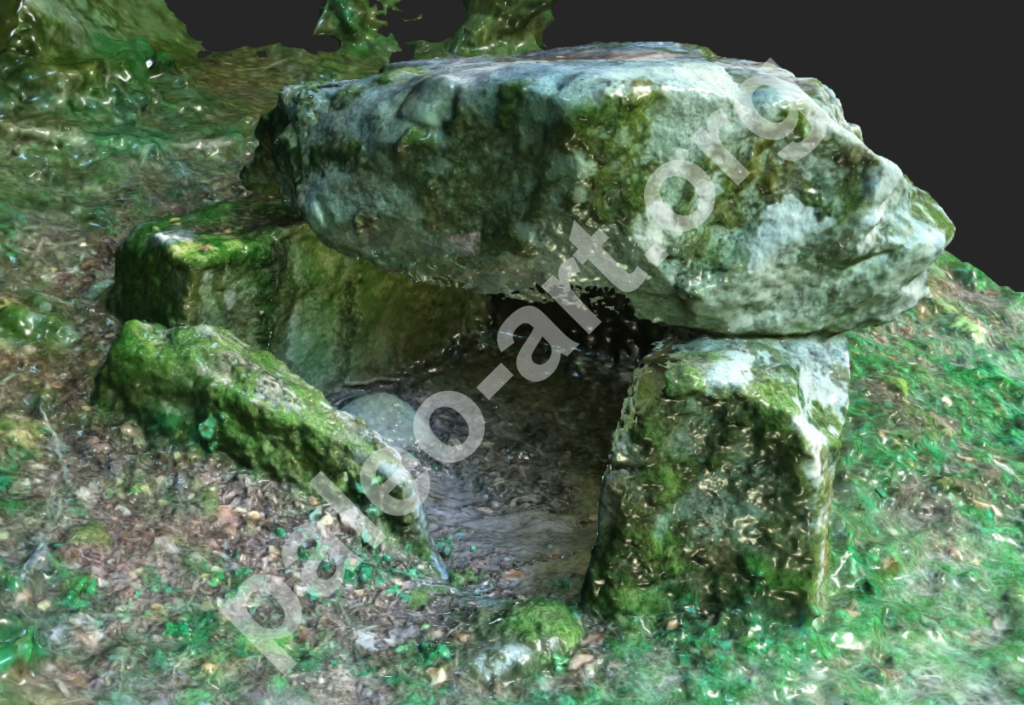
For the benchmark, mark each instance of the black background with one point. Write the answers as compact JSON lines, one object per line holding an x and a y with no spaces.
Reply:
{"x":933,"y":91}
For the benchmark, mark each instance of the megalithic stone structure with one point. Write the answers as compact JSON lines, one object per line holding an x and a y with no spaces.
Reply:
{"x":487,"y":173}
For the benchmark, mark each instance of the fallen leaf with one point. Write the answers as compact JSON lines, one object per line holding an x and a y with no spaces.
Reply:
{"x":995,"y":509}
{"x":513,"y":574}
{"x":595,"y":639}
{"x":437,"y":675}
{"x":366,"y":640}
{"x":580,"y":660}
{"x":226,"y":514}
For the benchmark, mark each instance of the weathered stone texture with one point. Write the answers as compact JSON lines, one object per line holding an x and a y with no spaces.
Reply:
{"x":202,"y":384}
{"x":473,"y":170}
{"x":720,"y":478}
{"x":257,"y":270}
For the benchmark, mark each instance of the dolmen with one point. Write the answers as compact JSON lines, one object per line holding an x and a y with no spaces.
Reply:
{"x":729,"y":200}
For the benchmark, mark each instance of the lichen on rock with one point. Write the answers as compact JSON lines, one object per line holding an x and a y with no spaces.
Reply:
{"x":477,"y":170}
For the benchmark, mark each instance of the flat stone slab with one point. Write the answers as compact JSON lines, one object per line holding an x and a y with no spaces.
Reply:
{"x":257,"y":270}
{"x":202,"y":384}
{"x":488,"y":172}
{"x":720,"y":479}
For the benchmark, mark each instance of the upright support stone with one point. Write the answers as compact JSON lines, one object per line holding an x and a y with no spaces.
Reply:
{"x":720,"y":479}
{"x":257,"y":270}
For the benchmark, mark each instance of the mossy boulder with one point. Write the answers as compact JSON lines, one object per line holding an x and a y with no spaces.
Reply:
{"x":201,"y":384}
{"x":478,"y":171}
{"x":718,"y":490}
{"x":523,"y":638}
{"x":255,"y":269}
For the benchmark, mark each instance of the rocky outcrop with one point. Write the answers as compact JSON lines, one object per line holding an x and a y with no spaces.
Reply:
{"x":724,"y":198}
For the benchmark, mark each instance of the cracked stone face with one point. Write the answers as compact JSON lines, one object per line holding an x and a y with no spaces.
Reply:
{"x":720,"y":478}
{"x":473,"y":171}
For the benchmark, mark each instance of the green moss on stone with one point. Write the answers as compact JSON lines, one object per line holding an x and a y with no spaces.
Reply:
{"x":614,"y":134}
{"x":256,"y":270}
{"x":20,"y":325}
{"x":542,"y":622}
{"x":174,"y":380}
{"x":700,"y":499}
{"x":93,"y":534}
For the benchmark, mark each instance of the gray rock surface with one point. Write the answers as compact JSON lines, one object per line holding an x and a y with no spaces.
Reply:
{"x":478,"y":171}
{"x":720,"y":479}
{"x":387,"y":415}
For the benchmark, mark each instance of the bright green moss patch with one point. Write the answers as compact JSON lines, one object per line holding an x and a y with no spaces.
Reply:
{"x":93,"y":534}
{"x":419,"y":597}
{"x":541,"y":621}
{"x":461,"y":577}
{"x":20,"y":325}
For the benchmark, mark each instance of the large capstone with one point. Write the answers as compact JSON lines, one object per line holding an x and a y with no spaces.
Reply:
{"x":257,"y":270}
{"x":489,"y":172}
{"x":201,"y":384}
{"x":720,"y":479}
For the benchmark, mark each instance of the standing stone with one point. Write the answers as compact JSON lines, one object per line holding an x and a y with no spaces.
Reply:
{"x":720,"y":479}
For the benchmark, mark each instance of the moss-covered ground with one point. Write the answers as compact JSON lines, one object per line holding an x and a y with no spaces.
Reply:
{"x":115,"y":551}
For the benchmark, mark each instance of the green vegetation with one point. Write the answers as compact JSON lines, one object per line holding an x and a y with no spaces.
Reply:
{"x":546,"y":622}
